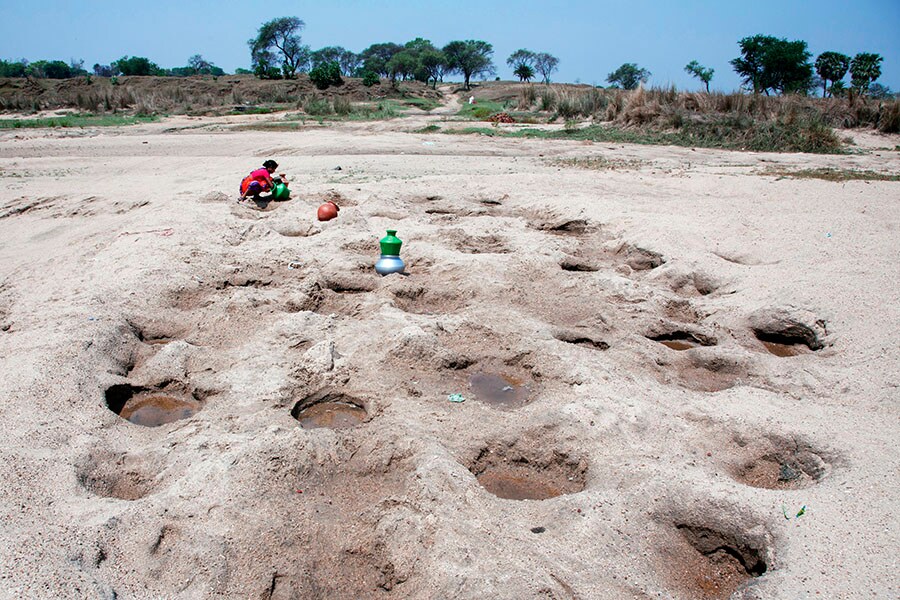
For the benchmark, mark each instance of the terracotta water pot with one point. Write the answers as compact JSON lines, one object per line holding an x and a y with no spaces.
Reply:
{"x":327,"y":211}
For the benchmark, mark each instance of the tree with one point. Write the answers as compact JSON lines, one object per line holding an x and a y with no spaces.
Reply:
{"x":198,"y":65}
{"x":545,"y":64}
{"x":402,"y":65}
{"x":350,"y":63}
{"x":865,"y":68}
{"x":51,"y":69}
{"x":831,"y":66}
{"x":13,"y":69}
{"x":521,"y":57}
{"x":628,"y":76}
{"x":136,"y":65}
{"x":325,"y":55}
{"x":700,"y":72}
{"x":768,"y":63}
{"x":433,"y":62}
{"x":376,"y":57}
{"x":77,"y":67}
{"x":279,"y":40}
{"x":347,"y":61}
{"x":524,"y":72}
{"x":469,"y":58}
{"x":102,"y":70}
{"x":880,"y":92}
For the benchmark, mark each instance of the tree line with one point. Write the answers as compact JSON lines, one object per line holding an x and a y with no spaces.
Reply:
{"x":127,"y":65}
{"x":766,"y":65}
{"x":277,"y":52}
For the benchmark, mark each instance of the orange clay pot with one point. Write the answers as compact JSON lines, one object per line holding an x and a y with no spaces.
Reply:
{"x":327,"y":211}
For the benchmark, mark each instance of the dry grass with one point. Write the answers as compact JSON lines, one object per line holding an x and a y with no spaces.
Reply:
{"x":668,"y":108}
{"x":190,"y":95}
{"x":598,"y":163}
{"x":835,"y":175}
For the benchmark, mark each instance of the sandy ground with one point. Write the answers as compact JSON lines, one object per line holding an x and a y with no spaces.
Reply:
{"x":129,"y":272}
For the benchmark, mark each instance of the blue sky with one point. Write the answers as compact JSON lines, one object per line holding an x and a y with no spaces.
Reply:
{"x":591,"y":39}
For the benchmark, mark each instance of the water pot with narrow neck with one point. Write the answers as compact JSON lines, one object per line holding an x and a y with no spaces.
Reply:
{"x":390,"y":261}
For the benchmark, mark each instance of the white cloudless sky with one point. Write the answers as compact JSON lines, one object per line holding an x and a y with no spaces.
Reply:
{"x":591,"y":39}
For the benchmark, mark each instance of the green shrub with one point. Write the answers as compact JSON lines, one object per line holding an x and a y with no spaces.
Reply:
{"x":326,"y":74}
{"x":369,"y":79}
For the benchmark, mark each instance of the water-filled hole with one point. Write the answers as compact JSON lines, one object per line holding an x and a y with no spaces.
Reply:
{"x":499,"y":390}
{"x":329,"y":410}
{"x":148,"y":407}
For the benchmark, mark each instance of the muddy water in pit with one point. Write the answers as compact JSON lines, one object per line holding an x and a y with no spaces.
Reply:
{"x":783,"y":350}
{"x":499,"y":391}
{"x":155,"y":410}
{"x":679,"y":344}
{"x":331,"y":415}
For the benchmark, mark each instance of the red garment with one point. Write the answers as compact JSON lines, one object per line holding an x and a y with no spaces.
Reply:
{"x":261,"y":176}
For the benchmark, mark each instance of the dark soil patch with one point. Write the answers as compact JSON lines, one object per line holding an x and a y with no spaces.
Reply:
{"x":581,"y":338}
{"x":782,"y":334}
{"x":709,"y":564}
{"x":785,"y":465}
{"x":578,"y":265}
{"x":563,"y":226}
{"x":682,"y":340}
{"x":524,"y":473}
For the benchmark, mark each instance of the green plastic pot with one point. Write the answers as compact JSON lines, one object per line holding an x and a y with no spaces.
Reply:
{"x":390,"y":244}
{"x":281,"y":192}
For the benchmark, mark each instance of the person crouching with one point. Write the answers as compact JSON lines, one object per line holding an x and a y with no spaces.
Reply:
{"x":259,"y":181}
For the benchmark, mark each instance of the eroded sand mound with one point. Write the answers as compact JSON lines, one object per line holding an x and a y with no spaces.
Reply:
{"x":660,"y":365}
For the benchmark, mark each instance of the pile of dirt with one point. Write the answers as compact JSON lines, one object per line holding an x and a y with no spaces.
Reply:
{"x":186,"y":94}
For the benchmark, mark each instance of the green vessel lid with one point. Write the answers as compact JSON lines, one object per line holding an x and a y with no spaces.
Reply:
{"x":390,"y":244}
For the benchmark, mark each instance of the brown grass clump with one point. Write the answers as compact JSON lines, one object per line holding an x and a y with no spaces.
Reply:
{"x":889,"y":117}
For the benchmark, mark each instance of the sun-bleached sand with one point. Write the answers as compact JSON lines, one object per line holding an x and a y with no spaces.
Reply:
{"x":605,"y":326}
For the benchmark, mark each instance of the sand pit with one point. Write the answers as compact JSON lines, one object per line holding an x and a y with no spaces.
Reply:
{"x":660,"y":365}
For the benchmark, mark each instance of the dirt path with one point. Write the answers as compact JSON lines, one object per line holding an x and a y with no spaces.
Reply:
{"x":685,"y":366}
